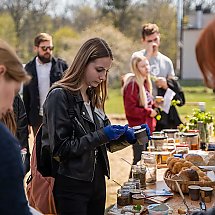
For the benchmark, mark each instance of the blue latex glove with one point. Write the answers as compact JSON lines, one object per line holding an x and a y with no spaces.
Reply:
{"x":130,"y":136}
{"x":113,"y":132}
{"x":147,"y":130}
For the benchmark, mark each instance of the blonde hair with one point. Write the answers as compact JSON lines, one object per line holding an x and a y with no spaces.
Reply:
{"x":91,"y":50}
{"x":14,"y":67}
{"x":140,"y":80}
{"x":205,"y":54}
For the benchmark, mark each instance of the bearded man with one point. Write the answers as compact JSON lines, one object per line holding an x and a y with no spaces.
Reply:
{"x":45,"y":70}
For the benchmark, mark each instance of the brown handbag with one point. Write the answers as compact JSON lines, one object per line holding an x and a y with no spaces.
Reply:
{"x":39,"y":189}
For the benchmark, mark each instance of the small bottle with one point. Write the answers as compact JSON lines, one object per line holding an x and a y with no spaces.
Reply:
{"x":203,"y":135}
{"x":149,"y":160}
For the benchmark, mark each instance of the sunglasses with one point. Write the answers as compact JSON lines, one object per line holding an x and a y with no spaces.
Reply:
{"x":149,"y":41}
{"x":45,"y":48}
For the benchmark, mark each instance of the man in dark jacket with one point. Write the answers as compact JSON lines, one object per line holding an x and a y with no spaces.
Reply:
{"x":171,"y":119}
{"x":45,"y":70}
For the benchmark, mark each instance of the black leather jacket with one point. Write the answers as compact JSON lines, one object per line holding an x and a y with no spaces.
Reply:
{"x":78,"y":143}
{"x":22,"y":132}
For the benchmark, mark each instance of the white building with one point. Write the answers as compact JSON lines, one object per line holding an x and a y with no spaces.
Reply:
{"x":197,"y":22}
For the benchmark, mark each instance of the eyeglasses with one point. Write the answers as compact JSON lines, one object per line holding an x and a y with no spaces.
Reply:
{"x":149,"y":41}
{"x":45,"y":48}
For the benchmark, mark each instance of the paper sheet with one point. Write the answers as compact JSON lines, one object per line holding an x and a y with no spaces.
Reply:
{"x":167,"y":100}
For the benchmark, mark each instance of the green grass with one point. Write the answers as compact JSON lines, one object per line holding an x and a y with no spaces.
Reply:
{"x":114,"y":104}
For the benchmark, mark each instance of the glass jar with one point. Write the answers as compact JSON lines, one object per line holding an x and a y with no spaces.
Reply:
{"x":123,"y":197}
{"x":170,"y":133}
{"x":149,"y":160}
{"x":192,"y":140}
{"x":137,"y":199}
{"x":158,"y":133}
{"x":135,"y":181}
{"x":139,"y":172}
{"x":158,"y":142}
{"x":182,"y":149}
{"x":201,"y":126}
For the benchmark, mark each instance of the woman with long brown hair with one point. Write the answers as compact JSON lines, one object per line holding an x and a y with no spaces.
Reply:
{"x":79,"y":132}
{"x":12,"y":195}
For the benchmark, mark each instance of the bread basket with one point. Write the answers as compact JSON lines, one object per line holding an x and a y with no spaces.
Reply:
{"x":170,"y":182}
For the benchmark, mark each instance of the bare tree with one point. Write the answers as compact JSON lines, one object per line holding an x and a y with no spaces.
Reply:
{"x":20,"y":10}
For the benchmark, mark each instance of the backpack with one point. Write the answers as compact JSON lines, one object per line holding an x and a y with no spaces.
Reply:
{"x":41,"y":181}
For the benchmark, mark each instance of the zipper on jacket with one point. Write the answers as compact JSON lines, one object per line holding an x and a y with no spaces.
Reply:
{"x":80,"y":125}
{"x":94,"y":164}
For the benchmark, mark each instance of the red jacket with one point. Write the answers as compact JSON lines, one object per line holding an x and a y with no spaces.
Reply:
{"x":135,"y":114}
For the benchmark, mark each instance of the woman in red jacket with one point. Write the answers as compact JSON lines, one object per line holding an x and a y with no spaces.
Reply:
{"x":138,"y":99}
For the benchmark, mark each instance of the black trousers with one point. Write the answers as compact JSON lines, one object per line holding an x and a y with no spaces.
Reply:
{"x":75,"y":197}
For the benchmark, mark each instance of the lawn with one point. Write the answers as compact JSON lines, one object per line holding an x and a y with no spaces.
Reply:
{"x":193,"y":95}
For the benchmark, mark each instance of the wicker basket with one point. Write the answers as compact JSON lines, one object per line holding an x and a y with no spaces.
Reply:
{"x":168,"y":175}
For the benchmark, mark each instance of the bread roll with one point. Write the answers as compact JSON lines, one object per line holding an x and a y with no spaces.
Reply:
{"x":189,"y":175}
{"x":211,"y":161}
{"x":197,"y":160}
{"x":168,"y":160}
{"x":172,"y":162}
{"x":177,"y":167}
{"x":187,"y":164}
{"x":195,"y":168}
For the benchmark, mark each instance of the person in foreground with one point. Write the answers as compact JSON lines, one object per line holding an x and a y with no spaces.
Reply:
{"x":138,"y":99}
{"x":80,"y":133}
{"x":205,"y":55}
{"x":12,"y":194}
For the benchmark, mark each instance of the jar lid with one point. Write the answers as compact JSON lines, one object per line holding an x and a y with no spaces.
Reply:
{"x":158,"y":137}
{"x":189,"y":134}
{"x":170,"y":130}
{"x":182,"y":145}
{"x":137,"y":196}
{"x":135,"y":191}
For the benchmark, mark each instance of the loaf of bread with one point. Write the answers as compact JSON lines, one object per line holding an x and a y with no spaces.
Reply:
{"x":195,"y":159}
{"x":211,"y":161}
{"x":177,"y":167}
{"x":189,"y":175}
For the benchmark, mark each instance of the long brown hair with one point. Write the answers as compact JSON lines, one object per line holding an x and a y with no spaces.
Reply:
{"x":9,"y":121}
{"x":205,"y":54}
{"x":14,"y":67}
{"x":91,"y":50}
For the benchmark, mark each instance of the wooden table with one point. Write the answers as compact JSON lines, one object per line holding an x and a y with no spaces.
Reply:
{"x":176,"y":201}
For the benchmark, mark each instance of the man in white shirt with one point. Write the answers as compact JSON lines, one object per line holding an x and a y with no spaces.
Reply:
{"x":45,"y":70}
{"x":161,"y":65}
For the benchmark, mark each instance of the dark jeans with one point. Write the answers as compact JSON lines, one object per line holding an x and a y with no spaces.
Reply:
{"x":75,"y":197}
